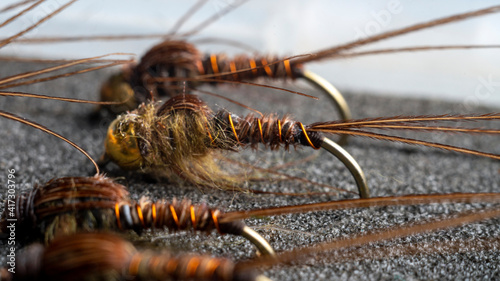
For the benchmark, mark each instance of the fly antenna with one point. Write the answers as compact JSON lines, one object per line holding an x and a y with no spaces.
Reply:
{"x":11,"y":19}
{"x":391,"y":34}
{"x":4,"y":82}
{"x":415,"y":49}
{"x":376,"y":236}
{"x":186,"y":17}
{"x":15,"y":5}
{"x":212,"y":19}
{"x":50,"y":132}
{"x":49,"y":16}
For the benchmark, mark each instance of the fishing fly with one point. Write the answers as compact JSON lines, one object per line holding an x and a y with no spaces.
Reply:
{"x":69,"y":205}
{"x":182,"y":136}
{"x":164,"y":69}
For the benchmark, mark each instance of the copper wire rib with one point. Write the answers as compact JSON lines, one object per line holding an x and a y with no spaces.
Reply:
{"x":280,"y":69}
{"x":182,"y":215}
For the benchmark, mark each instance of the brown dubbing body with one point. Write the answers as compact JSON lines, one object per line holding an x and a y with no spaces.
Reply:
{"x":183,"y":137}
{"x":174,"y":141}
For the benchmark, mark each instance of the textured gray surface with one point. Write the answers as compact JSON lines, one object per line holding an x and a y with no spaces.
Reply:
{"x":391,"y":169}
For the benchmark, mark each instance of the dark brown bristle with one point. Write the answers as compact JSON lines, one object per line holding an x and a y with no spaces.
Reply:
{"x":412,"y":123}
{"x":337,"y":50}
{"x":375,"y":236}
{"x":8,"y":40}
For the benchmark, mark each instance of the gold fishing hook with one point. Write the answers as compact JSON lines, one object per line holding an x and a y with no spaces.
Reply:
{"x":332,"y":92}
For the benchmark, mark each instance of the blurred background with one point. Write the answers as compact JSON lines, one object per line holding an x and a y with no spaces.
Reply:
{"x":293,"y":27}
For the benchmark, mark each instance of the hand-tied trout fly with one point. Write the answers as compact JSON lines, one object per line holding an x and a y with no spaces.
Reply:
{"x":69,"y":205}
{"x":183,"y":136}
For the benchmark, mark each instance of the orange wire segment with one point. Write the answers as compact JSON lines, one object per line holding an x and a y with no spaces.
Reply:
{"x":215,"y":218}
{"x":260,"y":129}
{"x":171,"y":266}
{"x":307,"y":136}
{"x":117,"y":213}
{"x":233,"y":128}
{"x":154,"y":261}
{"x":288,"y":68}
{"x":212,"y":266}
{"x":153,"y":213}
{"x":192,"y":265}
{"x":133,"y":268}
{"x":232,"y":65}
{"x":267,"y":68}
{"x":253,"y":65}
{"x":193,"y":217}
{"x":174,"y":215}
{"x":279,"y":128}
{"x":215,"y":67}
{"x":209,"y":134}
{"x":139,"y":213}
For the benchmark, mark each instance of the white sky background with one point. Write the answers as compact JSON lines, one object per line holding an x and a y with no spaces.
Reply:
{"x":291,"y":27}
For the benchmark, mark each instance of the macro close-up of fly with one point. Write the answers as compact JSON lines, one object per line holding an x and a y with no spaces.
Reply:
{"x":243,"y":140}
